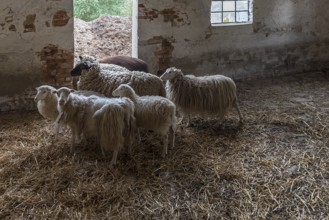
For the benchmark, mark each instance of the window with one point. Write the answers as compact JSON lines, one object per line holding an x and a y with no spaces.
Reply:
{"x":228,"y":11}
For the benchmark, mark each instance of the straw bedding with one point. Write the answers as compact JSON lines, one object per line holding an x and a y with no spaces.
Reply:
{"x":273,"y":167}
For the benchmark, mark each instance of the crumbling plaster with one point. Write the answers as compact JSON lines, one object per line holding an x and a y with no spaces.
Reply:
{"x":286,"y":36}
{"x":29,"y":32}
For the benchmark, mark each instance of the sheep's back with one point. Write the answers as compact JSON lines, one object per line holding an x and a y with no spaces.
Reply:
{"x":130,"y":63}
{"x":106,"y":81}
{"x":155,"y":113}
{"x":110,"y":127}
{"x":147,"y":84}
{"x":207,"y":95}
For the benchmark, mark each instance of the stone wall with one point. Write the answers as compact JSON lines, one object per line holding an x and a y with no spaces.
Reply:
{"x":36,"y":47}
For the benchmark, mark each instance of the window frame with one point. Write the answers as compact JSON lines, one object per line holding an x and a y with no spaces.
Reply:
{"x":235,"y":11}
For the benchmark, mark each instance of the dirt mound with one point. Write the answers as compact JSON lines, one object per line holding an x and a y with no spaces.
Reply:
{"x":104,"y":36}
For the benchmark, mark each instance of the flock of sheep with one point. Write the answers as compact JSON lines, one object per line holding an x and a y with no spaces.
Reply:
{"x":114,"y":101}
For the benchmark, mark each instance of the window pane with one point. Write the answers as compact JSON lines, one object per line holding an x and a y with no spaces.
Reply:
{"x":241,"y":16}
{"x":216,"y":18}
{"x":216,"y":6}
{"x":231,"y":11}
{"x":229,"y":17}
{"x":228,"y":5}
{"x":241,"y":5}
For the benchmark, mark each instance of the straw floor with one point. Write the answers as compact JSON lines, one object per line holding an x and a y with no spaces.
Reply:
{"x":275,"y":166}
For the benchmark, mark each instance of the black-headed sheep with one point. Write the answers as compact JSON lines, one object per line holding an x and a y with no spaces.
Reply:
{"x":104,"y":78}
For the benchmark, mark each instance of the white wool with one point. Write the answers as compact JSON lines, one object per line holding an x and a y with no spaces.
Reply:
{"x":203,"y":96}
{"x":153,"y":113}
{"x":109,"y":119}
{"x":104,"y":78}
{"x":46,"y":102}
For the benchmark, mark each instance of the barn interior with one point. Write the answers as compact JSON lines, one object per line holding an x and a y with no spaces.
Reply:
{"x":274,"y":166}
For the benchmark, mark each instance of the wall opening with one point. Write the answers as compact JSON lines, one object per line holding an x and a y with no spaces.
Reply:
{"x":231,"y":12}
{"x":105,"y":28}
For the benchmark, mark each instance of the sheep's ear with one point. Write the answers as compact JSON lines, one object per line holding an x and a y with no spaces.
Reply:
{"x":54,"y":91}
{"x":88,"y":65}
{"x":80,"y":57}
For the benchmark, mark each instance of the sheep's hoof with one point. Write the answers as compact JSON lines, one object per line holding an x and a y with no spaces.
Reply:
{"x":112,"y":165}
{"x":163,"y":155}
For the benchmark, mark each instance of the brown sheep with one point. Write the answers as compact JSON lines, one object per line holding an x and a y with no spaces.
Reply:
{"x":131,"y":63}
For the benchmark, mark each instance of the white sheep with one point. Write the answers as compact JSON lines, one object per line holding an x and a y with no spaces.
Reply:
{"x":104,"y":78}
{"x":46,"y":102}
{"x":152,"y":112}
{"x":203,"y":96}
{"x":110,"y":120}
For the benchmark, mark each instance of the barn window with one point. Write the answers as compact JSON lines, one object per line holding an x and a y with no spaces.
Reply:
{"x":231,"y":12}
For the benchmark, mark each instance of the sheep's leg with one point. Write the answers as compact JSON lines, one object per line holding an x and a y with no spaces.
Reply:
{"x":73,"y":138}
{"x":236,"y":106}
{"x":114,"y":158}
{"x":165,"y":145}
{"x":130,"y":149}
{"x":130,"y":145}
{"x":188,"y":120}
{"x":139,"y":136}
{"x":57,"y":128}
{"x":103,"y":152}
{"x":171,"y":137}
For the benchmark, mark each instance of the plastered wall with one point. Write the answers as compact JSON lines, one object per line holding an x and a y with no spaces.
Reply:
{"x":286,"y":36}
{"x":36,"y":47}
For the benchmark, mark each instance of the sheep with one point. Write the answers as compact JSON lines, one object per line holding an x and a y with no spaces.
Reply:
{"x":109,"y":66}
{"x":152,"y":112}
{"x":130,"y":63}
{"x":203,"y":96}
{"x":46,"y":102}
{"x":111,"y":121}
{"x":104,"y":78}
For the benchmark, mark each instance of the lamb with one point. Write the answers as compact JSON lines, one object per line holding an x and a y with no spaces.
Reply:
{"x":203,"y":96}
{"x":152,"y":112}
{"x":109,"y":120}
{"x":104,"y":78}
{"x":46,"y":102}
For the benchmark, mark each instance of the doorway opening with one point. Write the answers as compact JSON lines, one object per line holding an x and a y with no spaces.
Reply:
{"x":105,"y":28}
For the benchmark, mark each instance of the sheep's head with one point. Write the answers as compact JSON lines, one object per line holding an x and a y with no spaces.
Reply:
{"x":63,"y":95}
{"x":77,"y":70}
{"x":43,"y":92}
{"x":170,"y":73}
{"x":87,"y":58}
{"x":123,"y":90}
